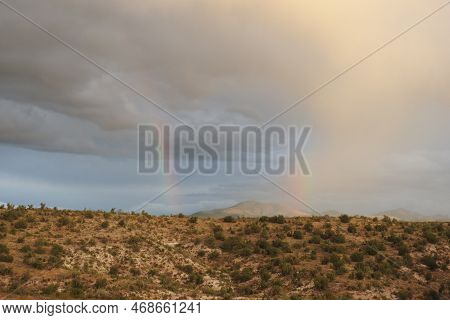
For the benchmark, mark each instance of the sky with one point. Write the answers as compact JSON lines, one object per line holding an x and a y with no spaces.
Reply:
{"x":380,"y":132}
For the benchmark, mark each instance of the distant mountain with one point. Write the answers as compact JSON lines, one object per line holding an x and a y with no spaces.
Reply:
{"x":253,"y":209}
{"x":400,"y":214}
{"x":408,"y":215}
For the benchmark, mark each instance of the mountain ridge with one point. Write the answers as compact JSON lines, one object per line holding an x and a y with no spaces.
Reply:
{"x":255,"y":209}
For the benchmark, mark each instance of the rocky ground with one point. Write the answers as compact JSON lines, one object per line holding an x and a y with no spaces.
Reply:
{"x":60,"y":254}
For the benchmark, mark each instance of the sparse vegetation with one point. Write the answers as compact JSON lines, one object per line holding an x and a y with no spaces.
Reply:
{"x":99,"y":255}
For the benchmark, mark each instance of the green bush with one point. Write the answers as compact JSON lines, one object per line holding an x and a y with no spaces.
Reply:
{"x":297,"y":234}
{"x":5,"y":271}
{"x":308,"y":227}
{"x":63,"y":221}
{"x":229,"y":219}
{"x":4,"y":249}
{"x":57,"y":250}
{"x":21,"y":224}
{"x":6,"y":258}
{"x":352,"y":228}
{"x":321,"y":282}
{"x":242,"y":275}
{"x":277,"y":219}
{"x":213,"y":255}
{"x":252,"y":228}
{"x":357,"y":257}
{"x":192,"y":219}
{"x":429,"y":261}
{"x":430,"y":237}
{"x":100,"y":283}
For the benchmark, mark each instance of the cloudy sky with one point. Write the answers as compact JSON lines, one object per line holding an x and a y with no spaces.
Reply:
{"x":380,"y":132}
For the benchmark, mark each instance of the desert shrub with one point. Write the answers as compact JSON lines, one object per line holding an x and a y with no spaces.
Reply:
{"x":252,"y":228}
{"x":297,"y":234}
{"x":429,"y":261}
{"x":6,"y":258}
{"x":380,"y":228}
{"x":321,"y":282}
{"x":338,"y":263}
{"x":5,"y":271}
{"x":114,"y":270}
{"x":49,"y":290}
{"x":282,"y":245}
{"x":394,"y":239}
{"x":405,"y":294}
{"x":34,"y":261}
{"x":218,"y":235}
{"x":100,"y":283}
{"x":387,"y":220}
{"x":286,"y":269}
{"x":88,"y":215}
{"x":186,"y":268}
{"x":229,"y":219}
{"x":308,"y":227}
{"x":359,"y":275}
{"x":104,"y":225}
{"x":240,"y":276}
{"x":265,"y":275}
{"x":121,"y":223}
{"x":368,"y":227}
{"x":372,"y":247}
{"x":327,"y":234}
{"x":431,"y":295}
{"x":57,"y":250}
{"x":344,"y":218}
{"x":11,"y":215}
{"x":76,"y":288}
{"x":26,"y":249}
{"x":63,"y":221}
{"x":195,"y":278}
{"x":277,"y":219}
{"x":402,"y":249}
{"x":236,"y":245}
{"x":315,"y":239}
{"x":168,"y":283}
{"x":135,"y":272}
{"x":430,"y":237}
{"x":21,"y":224}
{"x":351,"y":228}
{"x":3,"y":249}
{"x":264,"y":247}
{"x":213,"y":255}
{"x":338,"y":238}
{"x":357,"y":257}
{"x":192,"y":219}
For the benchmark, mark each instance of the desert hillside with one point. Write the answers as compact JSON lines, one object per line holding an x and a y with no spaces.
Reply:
{"x":60,"y":254}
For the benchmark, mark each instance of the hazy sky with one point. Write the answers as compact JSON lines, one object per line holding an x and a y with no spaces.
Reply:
{"x":380,"y":135}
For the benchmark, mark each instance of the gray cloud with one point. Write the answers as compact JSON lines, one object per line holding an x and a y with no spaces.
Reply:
{"x":240,"y":62}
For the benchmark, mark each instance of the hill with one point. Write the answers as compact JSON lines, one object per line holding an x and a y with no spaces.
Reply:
{"x":253,"y":209}
{"x":66,"y":254}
